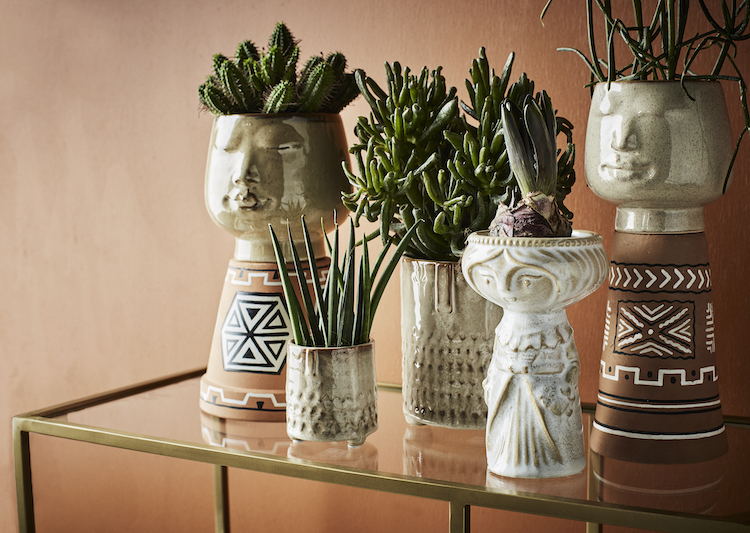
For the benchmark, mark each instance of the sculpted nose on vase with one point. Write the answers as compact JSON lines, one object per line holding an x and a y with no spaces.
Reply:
{"x":624,"y":135}
{"x":249,"y":170}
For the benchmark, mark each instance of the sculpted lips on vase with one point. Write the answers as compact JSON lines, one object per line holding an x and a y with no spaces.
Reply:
{"x":625,"y":168}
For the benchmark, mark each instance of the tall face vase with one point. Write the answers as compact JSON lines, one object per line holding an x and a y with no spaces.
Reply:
{"x":660,"y":154}
{"x":261,"y":170}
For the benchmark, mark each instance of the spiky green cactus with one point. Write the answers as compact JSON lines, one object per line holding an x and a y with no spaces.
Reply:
{"x":267,"y":81}
{"x":419,"y":159}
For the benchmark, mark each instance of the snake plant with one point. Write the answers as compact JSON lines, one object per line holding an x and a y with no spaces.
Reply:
{"x":658,"y":45}
{"x":419,"y":158}
{"x":340,"y":312}
{"x":257,"y":81}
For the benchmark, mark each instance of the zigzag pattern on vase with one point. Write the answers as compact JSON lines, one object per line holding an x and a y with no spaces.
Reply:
{"x":659,"y":278}
{"x":270,"y":278}
{"x":225,"y":399}
{"x":621,"y":370}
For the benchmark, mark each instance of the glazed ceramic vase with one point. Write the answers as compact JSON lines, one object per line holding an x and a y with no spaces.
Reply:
{"x":659,"y":154}
{"x":447,"y":333}
{"x":331,"y":393}
{"x":534,"y":422}
{"x":261,"y":170}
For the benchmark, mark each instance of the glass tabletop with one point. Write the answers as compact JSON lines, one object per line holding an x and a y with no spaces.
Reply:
{"x":720,"y":488}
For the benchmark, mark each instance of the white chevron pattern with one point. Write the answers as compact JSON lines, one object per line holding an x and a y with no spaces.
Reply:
{"x":660,"y":278}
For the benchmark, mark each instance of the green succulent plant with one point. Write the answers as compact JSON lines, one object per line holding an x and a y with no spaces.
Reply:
{"x":343,"y":310}
{"x":659,"y":46}
{"x":419,"y":158}
{"x":268,"y":82}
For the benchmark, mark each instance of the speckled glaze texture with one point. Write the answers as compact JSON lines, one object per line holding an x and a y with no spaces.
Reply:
{"x":447,"y":333}
{"x":265,"y":169}
{"x":534,"y":423}
{"x":331,"y":393}
{"x":657,"y":154}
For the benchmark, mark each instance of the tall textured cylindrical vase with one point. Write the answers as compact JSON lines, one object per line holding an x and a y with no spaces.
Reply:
{"x":261,"y":170}
{"x":534,"y":421}
{"x":660,"y":153}
{"x":447,"y":334}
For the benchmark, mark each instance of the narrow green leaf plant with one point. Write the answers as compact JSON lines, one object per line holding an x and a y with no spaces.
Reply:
{"x":341,"y":311}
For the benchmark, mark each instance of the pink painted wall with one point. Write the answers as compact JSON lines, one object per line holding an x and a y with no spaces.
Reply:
{"x":112,"y":268}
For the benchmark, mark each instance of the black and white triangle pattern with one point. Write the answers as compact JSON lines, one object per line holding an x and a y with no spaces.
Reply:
{"x":255,"y":333}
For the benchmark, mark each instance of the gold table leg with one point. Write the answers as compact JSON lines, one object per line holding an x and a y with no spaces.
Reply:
{"x":24,"y":494}
{"x":459,"y":516}
{"x":221,"y":498}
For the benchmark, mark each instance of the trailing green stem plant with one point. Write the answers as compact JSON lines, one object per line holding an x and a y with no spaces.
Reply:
{"x":419,"y":158}
{"x":343,"y":309}
{"x":658,"y":44}
{"x":268,"y":82}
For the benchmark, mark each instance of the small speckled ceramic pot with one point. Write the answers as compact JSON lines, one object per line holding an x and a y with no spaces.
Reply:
{"x":331,"y":393}
{"x":534,"y":422}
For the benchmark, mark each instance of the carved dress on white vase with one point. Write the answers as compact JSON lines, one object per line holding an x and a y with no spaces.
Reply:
{"x":534,"y":424}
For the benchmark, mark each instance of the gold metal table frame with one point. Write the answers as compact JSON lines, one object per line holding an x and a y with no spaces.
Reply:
{"x":460,"y":497}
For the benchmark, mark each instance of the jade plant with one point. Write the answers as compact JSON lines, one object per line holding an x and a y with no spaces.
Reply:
{"x":530,"y":136}
{"x":658,"y":45}
{"x":420,"y":158}
{"x":340,"y":312}
{"x":267,"y":81}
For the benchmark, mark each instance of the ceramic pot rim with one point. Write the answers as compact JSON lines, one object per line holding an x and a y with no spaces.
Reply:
{"x":687,"y":81}
{"x":436,"y":261}
{"x":332,"y":349}
{"x":312,"y":117}
{"x":578,"y":238}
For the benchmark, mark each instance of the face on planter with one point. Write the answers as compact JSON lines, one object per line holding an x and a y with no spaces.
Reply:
{"x":636,"y":136}
{"x":254,"y":170}
{"x":510,"y":282}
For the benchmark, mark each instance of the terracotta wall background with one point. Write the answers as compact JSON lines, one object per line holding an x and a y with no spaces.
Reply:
{"x":111,"y":268}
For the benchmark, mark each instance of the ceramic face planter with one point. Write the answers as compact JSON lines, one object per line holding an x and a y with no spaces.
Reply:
{"x":270,"y":169}
{"x":447,"y":334}
{"x":261,"y":170}
{"x":660,"y":157}
{"x":534,"y":425}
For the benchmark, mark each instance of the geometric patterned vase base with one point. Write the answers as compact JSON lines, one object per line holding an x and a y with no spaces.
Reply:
{"x":246,"y":374}
{"x":658,"y":400}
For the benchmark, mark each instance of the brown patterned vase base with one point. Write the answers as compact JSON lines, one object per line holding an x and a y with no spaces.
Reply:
{"x":658,"y":398}
{"x":246,"y":374}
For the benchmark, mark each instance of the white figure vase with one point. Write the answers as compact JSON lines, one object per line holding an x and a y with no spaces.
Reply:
{"x":534,"y":423}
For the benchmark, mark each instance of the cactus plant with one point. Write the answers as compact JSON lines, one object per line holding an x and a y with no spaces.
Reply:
{"x":267,"y":81}
{"x":418,"y":158}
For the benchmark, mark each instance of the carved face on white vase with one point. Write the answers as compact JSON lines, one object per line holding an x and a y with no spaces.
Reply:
{"x":648,"y":144}
{"x":508,"y":282}
{"x":534,"y":275}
